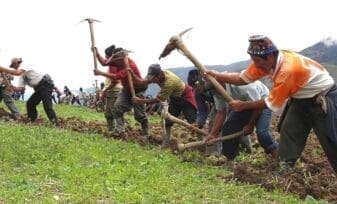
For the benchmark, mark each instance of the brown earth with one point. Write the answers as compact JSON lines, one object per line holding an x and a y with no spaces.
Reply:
{"x":312,"y":175}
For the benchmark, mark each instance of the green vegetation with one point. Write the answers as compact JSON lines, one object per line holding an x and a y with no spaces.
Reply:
{"x":49,"y":165}
{"x":63,"y":110}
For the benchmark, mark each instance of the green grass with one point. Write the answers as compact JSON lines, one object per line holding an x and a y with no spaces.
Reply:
{"x":49,"y":165}
{"x":43,"y":165}
{"x":83,"y":113}
{"x":62,"y":110}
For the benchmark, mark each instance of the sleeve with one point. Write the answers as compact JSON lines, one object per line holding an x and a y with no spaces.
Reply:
{"x":257,"y":91}
{"x":252,"y":73}
{"x":164,"y":93}
{"x":219,"y":102}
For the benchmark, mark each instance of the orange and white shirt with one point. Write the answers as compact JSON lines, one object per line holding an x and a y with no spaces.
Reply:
{"x":294,"y":76}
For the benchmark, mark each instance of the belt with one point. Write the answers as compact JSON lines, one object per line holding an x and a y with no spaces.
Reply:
{"x":321,"y":98}
{"x":45,"y":79}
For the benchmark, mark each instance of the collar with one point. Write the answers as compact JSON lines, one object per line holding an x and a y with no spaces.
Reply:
{"x":278,"y":64}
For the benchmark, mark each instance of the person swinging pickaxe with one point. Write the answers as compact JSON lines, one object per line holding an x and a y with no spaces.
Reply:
{"x":176,"y":42}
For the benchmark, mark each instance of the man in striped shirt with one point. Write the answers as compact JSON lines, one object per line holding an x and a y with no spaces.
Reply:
{"x":305,"y":84}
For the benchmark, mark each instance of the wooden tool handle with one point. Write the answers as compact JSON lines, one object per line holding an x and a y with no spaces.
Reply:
{"x":182,"y":147}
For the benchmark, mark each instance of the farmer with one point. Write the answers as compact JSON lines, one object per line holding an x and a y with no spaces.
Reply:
{"x":206,"y":95}
{"x":204,"y":99}
{"x":43,"y":87}
{"x":6,"y":90}
{"x":180,"y":95}
{"x":119,"y":61}
{"x":309,"y":89}
{"x":111,"y":88}
{"x":243,"y":120}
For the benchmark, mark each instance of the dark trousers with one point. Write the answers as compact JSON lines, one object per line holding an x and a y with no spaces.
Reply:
{"x":236,"y":121}
{"x":43,"y":92}
{"x":302,"y":116}
{"x":178,"y":105}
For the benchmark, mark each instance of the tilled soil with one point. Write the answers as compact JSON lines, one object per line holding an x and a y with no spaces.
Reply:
{"x":312,"y":175}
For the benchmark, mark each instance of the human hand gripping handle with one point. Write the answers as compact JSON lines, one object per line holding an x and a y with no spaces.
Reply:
{"x":210,"y":139}
{"x":212,"y":73}
{"x":248,"y":129}
{"x":136,"y":100}
{"x":97,"y":72}
{"x":237,"y":105}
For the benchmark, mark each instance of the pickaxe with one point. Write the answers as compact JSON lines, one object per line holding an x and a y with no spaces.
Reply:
{"x":182,"y":147}
{"x":91,"y":28}
{"x":177,"y":43}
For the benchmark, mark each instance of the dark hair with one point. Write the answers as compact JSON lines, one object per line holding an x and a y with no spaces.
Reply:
{"x":193,"y":77}
{"x":110,"y":50}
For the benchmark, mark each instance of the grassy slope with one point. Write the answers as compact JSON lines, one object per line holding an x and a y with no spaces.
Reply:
{"x":40,"y":164}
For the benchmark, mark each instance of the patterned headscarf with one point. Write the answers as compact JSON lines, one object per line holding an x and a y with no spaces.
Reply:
{"x":260,"y":45}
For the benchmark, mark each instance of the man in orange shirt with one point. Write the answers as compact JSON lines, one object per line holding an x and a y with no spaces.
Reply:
{"x":305,"y":84}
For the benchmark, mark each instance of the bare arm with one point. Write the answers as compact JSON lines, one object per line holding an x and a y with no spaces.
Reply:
{"x":218,"y":122}
{"x":101,"y":59}
{"x":238,"y":105}
{"x":16,"y":72}
{"x":227,"y":77}
{"x":138,"y":81}
{"x":249,"y":128}
{"x":137,"y":100}
{"x":106,"y":74}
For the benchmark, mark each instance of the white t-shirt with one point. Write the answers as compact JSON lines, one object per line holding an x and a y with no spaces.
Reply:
{"x":250,"y":92}
{"x":30,"y":78}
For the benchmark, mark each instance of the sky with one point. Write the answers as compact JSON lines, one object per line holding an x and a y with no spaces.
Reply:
{"x":48,"y":36}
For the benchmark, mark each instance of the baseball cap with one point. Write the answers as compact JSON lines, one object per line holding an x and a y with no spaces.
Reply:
{"x":154,"y":70}
{"x":15,"y":60}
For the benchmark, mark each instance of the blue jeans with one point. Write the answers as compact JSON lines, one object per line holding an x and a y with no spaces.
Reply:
{"x":202,"y":100}
{"x":236,"y":121}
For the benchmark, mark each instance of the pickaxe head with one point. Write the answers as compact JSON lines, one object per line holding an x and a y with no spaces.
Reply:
{"x":90,"y":20}
{"x":172,"y":44}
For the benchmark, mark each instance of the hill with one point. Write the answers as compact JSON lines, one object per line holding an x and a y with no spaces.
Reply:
{"x":324,"y":51}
